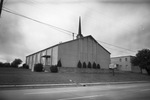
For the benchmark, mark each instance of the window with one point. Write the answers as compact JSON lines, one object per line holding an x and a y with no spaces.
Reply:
{"x":126,"y":59}
{"x":120,"y":59}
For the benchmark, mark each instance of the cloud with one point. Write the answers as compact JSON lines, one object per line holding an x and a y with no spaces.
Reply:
{"x":11,"y":39}
{"x":137,"y":32}
{"x":136,"y":39}
{"x":116,"y":22}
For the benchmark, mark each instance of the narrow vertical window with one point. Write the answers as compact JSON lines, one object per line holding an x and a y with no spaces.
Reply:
{"x":126,"y":59}
{"x":120,"y":59}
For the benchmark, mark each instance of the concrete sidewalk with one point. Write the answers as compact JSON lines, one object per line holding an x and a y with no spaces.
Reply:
{"x":67,"y":84}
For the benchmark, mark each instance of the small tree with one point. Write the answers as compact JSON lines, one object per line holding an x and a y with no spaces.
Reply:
{"x":38,"y":67}
{"x":25,"y":66}
{"x":59,"y":64}
{"x":89,"y":65}
{"x":94,"y":65}
{"x":79,"y":64}
{"x":84,"y":65}
{"x":142,"y":59}
{"x":16,"y":62}
{"x":98,"y":66}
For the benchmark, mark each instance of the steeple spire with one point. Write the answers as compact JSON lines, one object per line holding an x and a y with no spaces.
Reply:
{"x":79,"y":30}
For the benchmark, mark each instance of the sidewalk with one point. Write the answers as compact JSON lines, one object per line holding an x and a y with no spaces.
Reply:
{"x":66,"y":85}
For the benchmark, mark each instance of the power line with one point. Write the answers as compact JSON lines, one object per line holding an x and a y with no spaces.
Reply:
{"x":57,"y":28}
{"x":118,"y":49}
{"x":116,"y":46}
{"x":52,"y":26}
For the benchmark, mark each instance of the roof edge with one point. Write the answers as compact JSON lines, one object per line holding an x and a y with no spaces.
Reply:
{"x":67,"y":42}
{"x":123,"y":56}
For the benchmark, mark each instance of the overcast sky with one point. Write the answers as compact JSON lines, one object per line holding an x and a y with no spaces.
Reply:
{"x":124,"y":23}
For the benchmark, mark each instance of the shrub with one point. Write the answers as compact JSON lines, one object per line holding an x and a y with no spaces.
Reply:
{"x":98,"y":66}
{"x":1,"y":64}
{"x":38,"y":67}
{"x":148,"y":70}
{"x":59,"y":64}
{"x":89,"y":65}
{"x":84,"y":65}
{"x":13,"y":65}
{"x":7,"y":64}
{"x":54,"y":69}
{"x":79,"y":64}
{"x":25,"y":66}
{"x":94,"y":65}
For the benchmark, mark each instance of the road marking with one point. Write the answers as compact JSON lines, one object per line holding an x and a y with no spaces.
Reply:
{"x":50,"y":92}
{"x":62,"y":91}
{"x":83,"y":97}
{"x":145,"y":90}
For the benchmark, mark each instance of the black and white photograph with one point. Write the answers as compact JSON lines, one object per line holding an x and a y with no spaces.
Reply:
{"x":74,"y":49}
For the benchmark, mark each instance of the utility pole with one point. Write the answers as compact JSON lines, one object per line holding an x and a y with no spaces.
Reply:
{"x":1,"y":6}
{"x":73,"y":35}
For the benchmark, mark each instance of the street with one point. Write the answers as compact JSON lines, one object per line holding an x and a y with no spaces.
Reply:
{"x":136,"y":91}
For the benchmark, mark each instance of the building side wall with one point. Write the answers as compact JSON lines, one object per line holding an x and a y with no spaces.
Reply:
{"x":103,"y":57}
{"x":135,"y":69}
{"x":123,"y":62}
{"x":54,"y":56}
{"x":84,"y":49}
{"x":68,"y":54}
{"x":37,"y":57}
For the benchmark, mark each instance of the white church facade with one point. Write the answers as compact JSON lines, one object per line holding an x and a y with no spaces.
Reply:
{"x":84,"y":49}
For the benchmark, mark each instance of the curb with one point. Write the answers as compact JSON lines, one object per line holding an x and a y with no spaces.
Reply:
{"x":70,"y":84}
{"x":112,"y":83}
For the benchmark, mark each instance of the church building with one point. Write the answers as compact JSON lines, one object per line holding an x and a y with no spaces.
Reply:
{"x":84,"y":49}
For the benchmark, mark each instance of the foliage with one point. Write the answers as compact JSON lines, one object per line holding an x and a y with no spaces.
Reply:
{"x":38,"y":67}
{"x":79,"y":64}
{"x":1,"y":64}
{"x":7,"y":64}
{"x":148,"y":70}
{"x":84,"y":65}
{"x":54,"y":69}
{"x":16,"y":62}
{"x":59,"y":64}
{"x":89,"y":65}
{"x":98,"y":66}
{"x":25,"y":66}
{"x":94,"y":65}
{"x":142,"y":59}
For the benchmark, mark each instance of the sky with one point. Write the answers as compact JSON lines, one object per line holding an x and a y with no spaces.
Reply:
{"x":123,"y":23}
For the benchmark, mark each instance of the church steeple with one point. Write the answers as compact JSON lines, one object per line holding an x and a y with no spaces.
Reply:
{"x":79,"y":30}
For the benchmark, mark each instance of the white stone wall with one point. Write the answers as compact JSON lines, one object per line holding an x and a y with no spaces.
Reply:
{"x":49,"y":52}
{"x":42,"y":58}
{"x":37,"y":57}
{"x":54,"y":55}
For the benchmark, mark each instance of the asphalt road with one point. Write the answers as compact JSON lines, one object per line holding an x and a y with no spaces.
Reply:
{"x":139,"y":91}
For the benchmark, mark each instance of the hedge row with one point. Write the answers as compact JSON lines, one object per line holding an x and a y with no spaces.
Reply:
{"x":13,"y":65}
{"x":84,"y":65}
{"x":39,"y":68}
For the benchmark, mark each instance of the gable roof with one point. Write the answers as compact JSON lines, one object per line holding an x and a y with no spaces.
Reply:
{"x":98,"y":43}
{"x":89,"y":36}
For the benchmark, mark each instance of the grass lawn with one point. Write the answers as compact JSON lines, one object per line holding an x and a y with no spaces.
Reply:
{"x":25,"y":76}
